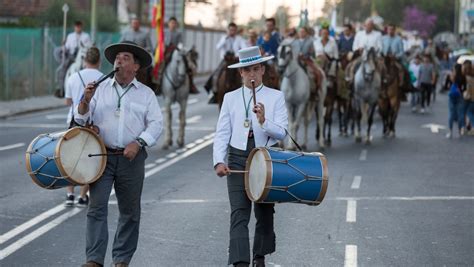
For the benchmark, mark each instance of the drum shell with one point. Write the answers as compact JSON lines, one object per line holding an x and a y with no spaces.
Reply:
{"x":305,"y":181}
{"x":38,"y":148}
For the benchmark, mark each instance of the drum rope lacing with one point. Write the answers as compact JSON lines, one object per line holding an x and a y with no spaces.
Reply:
{"x":306,"y":178}
{"x":37,"y":171}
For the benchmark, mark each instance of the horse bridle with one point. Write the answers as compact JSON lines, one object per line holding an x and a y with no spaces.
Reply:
{"x":175,"y":87}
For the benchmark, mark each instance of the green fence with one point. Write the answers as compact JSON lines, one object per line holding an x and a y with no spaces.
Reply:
{"x":27,"y":63}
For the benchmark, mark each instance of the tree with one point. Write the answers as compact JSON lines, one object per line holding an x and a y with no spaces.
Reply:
{"x":416,"y":19}
{"x":225,"y":13}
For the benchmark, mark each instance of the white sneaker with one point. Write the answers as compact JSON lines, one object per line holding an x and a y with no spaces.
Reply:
{"x":413,"y":109}
{"x":422,"y":111}
{"x":461,"y":132}
{"x":449,"y":135}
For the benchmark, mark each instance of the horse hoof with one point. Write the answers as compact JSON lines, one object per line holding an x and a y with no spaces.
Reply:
{"x":328,"y":143}
{"x":165,"y":147}
{"x":180,"y":144}
{"x":391,"y":134}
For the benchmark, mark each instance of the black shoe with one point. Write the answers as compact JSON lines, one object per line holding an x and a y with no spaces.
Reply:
{"x":258,"y":261}
{"x":69,"y":201}
{"x":83,"y":202}
{"x":213,"y":99}
{"x":241,"y":264}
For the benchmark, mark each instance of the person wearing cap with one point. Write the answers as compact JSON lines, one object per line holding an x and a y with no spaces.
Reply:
{"x":74,"y":90}
{"x":74,"y":39}
{"x":129,"y":119}
{"x":240,"y":128}
{"x":137,"y":35}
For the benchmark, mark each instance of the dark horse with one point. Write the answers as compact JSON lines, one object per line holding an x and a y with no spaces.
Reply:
{"x":389,"y":97}
{"x":229,"y":79}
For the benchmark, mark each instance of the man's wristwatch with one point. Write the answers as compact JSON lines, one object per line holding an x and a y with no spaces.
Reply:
{"x":141,"y":142}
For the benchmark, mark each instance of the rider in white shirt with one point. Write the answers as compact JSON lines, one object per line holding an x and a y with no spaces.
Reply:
{"x":74,"y":39}
{"x":232,"y":42}
{"x":368,"y":38}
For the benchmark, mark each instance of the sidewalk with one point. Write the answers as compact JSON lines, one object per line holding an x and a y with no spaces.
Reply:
{"x":16,"y":107}
{"x":40,"y":103}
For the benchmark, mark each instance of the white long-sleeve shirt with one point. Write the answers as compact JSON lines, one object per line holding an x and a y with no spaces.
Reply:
{"x":233,"y":44}
{"x":230,"y":128}
{"x":74,"y":39}
{"x":330,"y":48}
{"x":367,"y":40}
{"x":140,"y":114}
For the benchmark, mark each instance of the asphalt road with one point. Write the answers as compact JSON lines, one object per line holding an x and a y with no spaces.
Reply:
{"x":406,"y":201}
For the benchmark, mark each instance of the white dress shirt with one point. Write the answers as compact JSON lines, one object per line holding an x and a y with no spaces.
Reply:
{"x":330,"y":48}
{"x":367,"y":40}
{"x":230,"y":128}
{"x":75,"y":87}
{"x":74,"y":39}
{"x":140,"y":115}
{"x":233,"y":44}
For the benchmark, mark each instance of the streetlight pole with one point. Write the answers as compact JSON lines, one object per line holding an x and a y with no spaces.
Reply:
{"x":93,"y":19}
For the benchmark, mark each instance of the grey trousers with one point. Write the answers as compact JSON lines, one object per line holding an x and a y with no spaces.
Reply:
{"x":127,"y":178}
{"x":241,"y":208}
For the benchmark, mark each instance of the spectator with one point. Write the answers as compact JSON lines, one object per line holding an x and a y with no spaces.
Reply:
{"x":456,"y":101}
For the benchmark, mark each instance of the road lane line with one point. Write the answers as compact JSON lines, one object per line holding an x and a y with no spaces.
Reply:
{"x":150,"y":165}
{"x":408,"y":198}
{"x":17,"y":145}
{"x":37,"y":233}
{"x":356,"y":182}
{"x":19,"y":229}
{"x":351,"y":211}
{"x":351,"y":256}
{"x":40,"y":231}
{"x":160,"y":160}
{"x":363,"y":155}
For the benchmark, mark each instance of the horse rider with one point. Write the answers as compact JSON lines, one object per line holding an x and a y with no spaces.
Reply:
{"x":327,"y":52}
{"x":364,"y":40}
{"x":173,"y":38}
{"x":231,"y":42}
{"x":129,"y":118}
{"x":270,"y":46}
{"x":306,"y":55}
{"x":76,"y":38}
{"x":346,"y":40}
{"x":392,"y":46}
{"x":238,"y":131}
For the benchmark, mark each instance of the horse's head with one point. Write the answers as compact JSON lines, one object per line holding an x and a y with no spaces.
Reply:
{"x":178,"y":64}
{"x":230,"y":58}
{"x":192,"y":55}
{"x":81,"y":52}
{"x":285,"y":55}
{"x":368,"y":64}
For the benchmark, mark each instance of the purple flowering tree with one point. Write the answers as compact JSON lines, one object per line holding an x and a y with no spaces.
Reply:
{"x":415,"y":19}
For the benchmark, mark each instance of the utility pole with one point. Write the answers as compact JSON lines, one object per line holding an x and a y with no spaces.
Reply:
{"x":93,"y":19}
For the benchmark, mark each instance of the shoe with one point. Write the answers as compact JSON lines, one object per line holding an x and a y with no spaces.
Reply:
{"x":69,"y":201}
{"x":461,"y":132}
{"x":258,"y":261}
{"x":121,"y":264}
{"x":449,"y":135}
{"x":83,"y":202}
{"x":92,"y":264}
{"x":413,"y":109}
{"x":422,"y":111}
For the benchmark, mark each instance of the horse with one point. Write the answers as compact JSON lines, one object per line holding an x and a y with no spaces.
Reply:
{"x":389,"y":98}
{"x":367,"y":83}
{"x":78,"y":63}
{"x":227,"y":79}
{"x":343,"y":98}
{"x":295,"y":85}
{"x":175,"y":88}
{"x":330,"y":68}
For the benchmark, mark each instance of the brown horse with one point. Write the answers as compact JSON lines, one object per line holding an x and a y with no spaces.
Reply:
{"x":330,"y":68}
{"x":343,"y":99}
{"x":229,"y":79}
{"x":390,"y":96}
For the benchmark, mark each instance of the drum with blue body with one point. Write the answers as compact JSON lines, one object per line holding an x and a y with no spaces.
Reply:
{"x":62,"y":159}
{"x":274,"y":175}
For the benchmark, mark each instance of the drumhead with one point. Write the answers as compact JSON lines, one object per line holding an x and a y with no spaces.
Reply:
{"x":74,"y":159}
{"x":257,"y":174}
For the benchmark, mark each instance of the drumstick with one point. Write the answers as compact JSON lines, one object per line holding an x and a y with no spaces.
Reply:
{"x":253,"y":92}
{"x":106,"y":154}
{"x":237,"y":171}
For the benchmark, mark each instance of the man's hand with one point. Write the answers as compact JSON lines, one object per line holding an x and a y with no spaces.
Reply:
{"x":222,"y":170}
{"x":89,"y":92}
{"x":259,"y":110}
{"x":131,"y":150}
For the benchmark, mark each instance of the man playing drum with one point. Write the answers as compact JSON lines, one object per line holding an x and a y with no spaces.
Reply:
{"x":238,"y":131}
{"x":74,"y":90}
{"x":129,"y":119}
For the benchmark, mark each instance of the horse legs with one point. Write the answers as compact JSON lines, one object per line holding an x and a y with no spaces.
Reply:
{"x":357,"y":117}
{"x":168,"y":123}
{"x":370,"y":120}
{"x":395,"y":104}
{"x":328,"y":124}
{"x":182,"y":122}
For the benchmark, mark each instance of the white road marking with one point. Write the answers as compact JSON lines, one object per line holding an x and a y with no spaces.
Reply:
{"x":160,"y":160}
{"x":351,"y":256}
{"x":351,"y":211}
{"x":363,"y":155}
{"x":37,"y":233}
{"x":150,"y":165}
{"x":191,"y":145}
{"x":434,"y":127}
{"x":47,"y":227}
{"x":56,"y":116}
{"x":408,"y":198}
{"x":194,"y":119}
{"x":172,"y":155}
{"x":2,"y":148}
{"x":199,"y":141}
{"x":356,"y":182}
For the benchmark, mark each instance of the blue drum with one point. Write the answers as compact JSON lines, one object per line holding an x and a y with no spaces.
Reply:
{"x":62,"y":159}
{"x":275,"y":176}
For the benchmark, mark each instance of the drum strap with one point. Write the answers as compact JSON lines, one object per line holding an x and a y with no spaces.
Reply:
{"x":292,"y":139}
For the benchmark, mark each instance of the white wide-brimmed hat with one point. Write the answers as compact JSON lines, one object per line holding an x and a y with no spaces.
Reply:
{"x":249,"y":56}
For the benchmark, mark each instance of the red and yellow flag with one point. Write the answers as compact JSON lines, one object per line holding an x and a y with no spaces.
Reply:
{"x":158,"y":23}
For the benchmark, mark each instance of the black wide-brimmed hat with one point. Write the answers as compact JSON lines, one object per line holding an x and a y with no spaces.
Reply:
{"x":144,"y":58}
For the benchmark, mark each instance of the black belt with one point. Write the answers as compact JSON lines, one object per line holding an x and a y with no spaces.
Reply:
{"x":115,"y":150}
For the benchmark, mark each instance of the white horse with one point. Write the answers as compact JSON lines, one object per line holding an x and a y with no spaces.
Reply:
{"x":78,"y":63}
{"x":175,"y":88}
{"x":367,"y":84}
